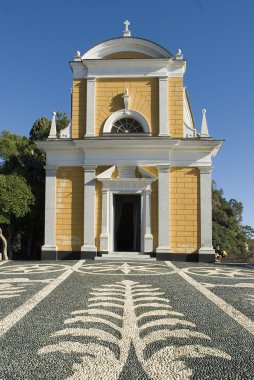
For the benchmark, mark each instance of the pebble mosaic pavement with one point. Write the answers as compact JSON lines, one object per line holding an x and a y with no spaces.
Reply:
{"x":101,"y":320}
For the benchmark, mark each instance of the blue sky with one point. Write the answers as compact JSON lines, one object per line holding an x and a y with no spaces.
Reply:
{"x":39,"y":38}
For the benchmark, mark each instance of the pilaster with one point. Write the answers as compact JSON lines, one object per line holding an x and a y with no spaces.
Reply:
{"x":50,"y":209}
{"x":148,"y":237}
{"x":104,"y":236}
{"x":90,"y":107}
{"x":163,"y":209}
{"x":89,"y":209}
{"x":206,"y":210}
{"x":163,"y":106}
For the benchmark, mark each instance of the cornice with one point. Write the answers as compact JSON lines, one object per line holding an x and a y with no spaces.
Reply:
{"x":115,"y":68}
{"x":131,"y":144}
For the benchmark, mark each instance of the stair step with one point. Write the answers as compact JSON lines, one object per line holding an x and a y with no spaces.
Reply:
{"x":125,"y":256}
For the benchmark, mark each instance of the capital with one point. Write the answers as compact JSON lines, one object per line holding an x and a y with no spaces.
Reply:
{"x":205,"y":169}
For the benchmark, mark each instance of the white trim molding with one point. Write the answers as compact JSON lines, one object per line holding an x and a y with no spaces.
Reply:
{"x":117,"y":45}
{"x":206,"y":210}
{"x":163,"y":106}
{"x":50,"y":209}
{"x":90,"y":107}
{"x":163,"y":209}
{"x":89,"y":208}
{"x":121,"y":114}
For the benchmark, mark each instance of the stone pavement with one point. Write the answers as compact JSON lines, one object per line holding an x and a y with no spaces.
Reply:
{"x":101,"y":320}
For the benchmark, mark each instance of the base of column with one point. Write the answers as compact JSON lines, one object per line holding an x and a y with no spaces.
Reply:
{"x":163,"y":249}
{"x":46,"y":248}
{"x":89,"y":248}
{"x":104,"y":238}
{"x":206,"y":251}
{"x":148,"y":243}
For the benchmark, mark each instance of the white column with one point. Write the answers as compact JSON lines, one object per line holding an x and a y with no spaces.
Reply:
{"x":89,"y":209}
{"x":163,"y":106}
{"x":50,"y":209}
{"x":148,"y":237}
{"x":163,"y":209}
{"x":104,"y":236}
{"x":206,"y":210}
{"x":90,"y":107}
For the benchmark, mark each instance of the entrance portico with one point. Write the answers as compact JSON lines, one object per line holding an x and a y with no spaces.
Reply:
{"x":126,"y":183}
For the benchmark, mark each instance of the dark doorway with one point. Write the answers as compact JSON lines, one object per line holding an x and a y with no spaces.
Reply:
{"x":127,"y":220}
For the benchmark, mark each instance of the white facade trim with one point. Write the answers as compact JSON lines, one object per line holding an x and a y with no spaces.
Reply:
{"x":89,"y":209}
{"x":66,"y":133}
{"x":105,"y":224}
{"x":148,"y":237}
{"x":163,"y":209}
{"x":132,"y":44}
{"x":189,"y":127}
{"x":128,"y":68}
{"x":131,"y":143}
{"x":122,"y":113}
{"x":50,"y":209}
{"x":163,"y":106}
{"x":206,"y":210}
{"x":149,"y":151}
{"x":52,"y":132}
{"x":90,"y":107}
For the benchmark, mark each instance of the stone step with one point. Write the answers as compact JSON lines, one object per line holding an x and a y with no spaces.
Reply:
{"x":125,"y":256}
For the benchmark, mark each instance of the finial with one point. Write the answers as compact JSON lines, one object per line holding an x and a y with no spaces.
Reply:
{"x":52,"y":133}
{"x":126,"y":99}
{"x":127,"y":32}
{"x":204,"y":128}
{"x":179,"y":54}
{"x":77,"y":56}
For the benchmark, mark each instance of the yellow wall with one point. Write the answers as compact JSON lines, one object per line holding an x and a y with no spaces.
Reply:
{"x":154,"y":200}
{"x":144,"y":95}
{"x":175,"y":108}
{"x":184,"y":210}
{"x":69,"y":208}
{"x":78,"y":108}
{"x":127,"y":55}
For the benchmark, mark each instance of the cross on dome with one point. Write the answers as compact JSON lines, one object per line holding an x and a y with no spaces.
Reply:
{"x":127,"y":32}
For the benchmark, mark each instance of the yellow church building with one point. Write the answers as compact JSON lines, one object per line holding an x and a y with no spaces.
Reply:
{"x":131,"y":175}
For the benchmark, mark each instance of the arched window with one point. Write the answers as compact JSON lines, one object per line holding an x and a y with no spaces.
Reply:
{"x":127,"y":125}
{"x":123,"y":122}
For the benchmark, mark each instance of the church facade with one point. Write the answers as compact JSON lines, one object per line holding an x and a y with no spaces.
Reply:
{"x":130,"y":175}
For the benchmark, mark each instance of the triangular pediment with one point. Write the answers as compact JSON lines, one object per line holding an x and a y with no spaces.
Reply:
{"x":126,"y":172}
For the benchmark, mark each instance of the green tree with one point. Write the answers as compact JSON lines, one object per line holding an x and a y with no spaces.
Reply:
{"x":228,"y":232}
{"x":16,"y":199}
{"x":20,"y":155}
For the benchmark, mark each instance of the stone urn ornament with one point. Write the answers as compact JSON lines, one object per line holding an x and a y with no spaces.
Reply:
{"x":5,"y":257}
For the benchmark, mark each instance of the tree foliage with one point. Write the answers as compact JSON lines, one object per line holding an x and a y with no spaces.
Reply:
{"x":20,"y":155}
{"x":16,"y":198}
{"x":228,"y":232}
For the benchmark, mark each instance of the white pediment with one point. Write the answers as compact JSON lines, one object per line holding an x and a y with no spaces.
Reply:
{"x":126,"y":172}
{"x":122,"y":44}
